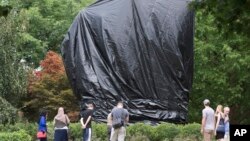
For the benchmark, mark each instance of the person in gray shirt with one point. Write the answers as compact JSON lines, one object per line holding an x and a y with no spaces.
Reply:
{"x":120,"y":118}
{"x":208,"y":121}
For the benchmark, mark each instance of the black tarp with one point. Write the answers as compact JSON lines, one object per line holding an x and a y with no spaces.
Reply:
{"x":137,"y":51}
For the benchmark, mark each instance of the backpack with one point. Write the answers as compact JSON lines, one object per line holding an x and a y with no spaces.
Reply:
{"x":119,"y":123}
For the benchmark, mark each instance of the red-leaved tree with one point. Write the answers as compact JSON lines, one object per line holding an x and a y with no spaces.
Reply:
{"x":50,"y":89}
{"x":52,"y":65}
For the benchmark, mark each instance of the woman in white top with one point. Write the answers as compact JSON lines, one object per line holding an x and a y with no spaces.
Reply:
{"x":61,"y":122}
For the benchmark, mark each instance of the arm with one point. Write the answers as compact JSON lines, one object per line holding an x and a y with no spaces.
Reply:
{"x":67,"y":120}
{"x":109,"y":119}
{"x":127,"y":117}
{"x":203,"y":122}
{"x":54,"y":122}
{"x":89,"y":118}
{"x":82,"y":123}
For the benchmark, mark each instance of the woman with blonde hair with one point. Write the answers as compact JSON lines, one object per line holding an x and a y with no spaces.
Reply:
{"x":219,"y":124}
{"x":61,"y":122}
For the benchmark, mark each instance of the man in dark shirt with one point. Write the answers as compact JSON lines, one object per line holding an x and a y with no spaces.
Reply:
{"x":119,"y":115}
{"x":86,"y":118}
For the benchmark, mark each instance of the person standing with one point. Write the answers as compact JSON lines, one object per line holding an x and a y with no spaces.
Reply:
{"x":42,"y":125}
{"x":61,"y":122}
{"x":85,"y":120}
{"x":227,"y":124}
{"x":220,"y":125}
{"x":208,"y":122}
{"x":120,"y":118}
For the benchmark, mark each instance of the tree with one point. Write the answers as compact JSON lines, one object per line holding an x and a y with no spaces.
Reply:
{"x":47,"y":22}
{"x":221,"y":70}
{"x":52,"y":65}
{"x":8,"y":112}
{"x":221,"y":57}
{"x":51,"y":90}
{"x":29,"y":28}
{"x":13,"y":72}
{"x":230,"y":15}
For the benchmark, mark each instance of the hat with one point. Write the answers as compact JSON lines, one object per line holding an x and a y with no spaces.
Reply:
{"x":206,"y":101}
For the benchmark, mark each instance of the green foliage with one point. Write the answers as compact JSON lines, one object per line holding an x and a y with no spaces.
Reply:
{"x":139,"y":129}
{"x":30,"y":128}
{"x":20,"y":135}
{"x":191,"y":129}
{"x":166,"y":131}
{"x":221,"y":70}
{"x":100,"y":131}
{"x":230,"y":15}
{"x":135,"y":132}
{"x":188,"y":138}
{"x":8,"y":112}
{"x":75,"y":130}
{"x":222,"y":58}
{"x":137,"y":138}
{"x":48,"y":21}
{"x":161,"y":132}
{"x":13,"y":73}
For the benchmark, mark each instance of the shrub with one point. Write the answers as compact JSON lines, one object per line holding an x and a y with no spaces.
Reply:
{"x":186,"y":138}
{"x":20,"y":135}
{"x":100,"y":131}
{"x":30,"y":128}
{"x":75,"y":130}
{"x":140,"y":129}
{"x":135,"y":132}
{"x":166,"y":131}
{"x":138,"y":138}
{"x":191,"y":129}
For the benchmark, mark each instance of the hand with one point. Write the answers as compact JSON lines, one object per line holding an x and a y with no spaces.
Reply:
{"x":83,"y":126}
{"x":201,"y":131}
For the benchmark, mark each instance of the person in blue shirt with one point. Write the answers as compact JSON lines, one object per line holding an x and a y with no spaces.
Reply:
{"x":42,"y":125}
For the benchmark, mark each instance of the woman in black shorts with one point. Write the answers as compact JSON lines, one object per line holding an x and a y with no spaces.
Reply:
{"x":220,"y":125}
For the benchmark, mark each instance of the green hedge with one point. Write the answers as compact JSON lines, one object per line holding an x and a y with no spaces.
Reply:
{"x":20,"y":135}
{"x":164,"y":132}
{"x":135,"y":132}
